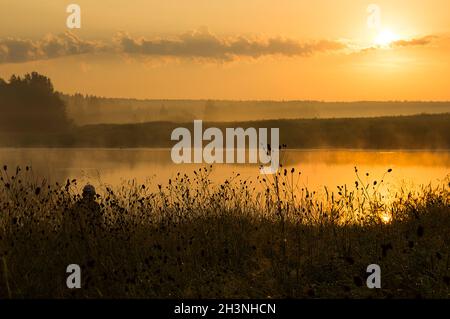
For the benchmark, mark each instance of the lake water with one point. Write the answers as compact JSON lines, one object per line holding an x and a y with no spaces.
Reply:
{"x":318,"y":167}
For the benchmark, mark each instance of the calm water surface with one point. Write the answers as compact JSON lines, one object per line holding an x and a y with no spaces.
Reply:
{"x":318,"y":167}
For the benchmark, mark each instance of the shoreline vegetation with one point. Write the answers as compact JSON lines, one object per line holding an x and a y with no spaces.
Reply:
{"x":424,"y":131}
{"x":193,"y":239}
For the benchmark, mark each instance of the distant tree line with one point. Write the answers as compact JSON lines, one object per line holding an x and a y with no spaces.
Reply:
{"x":90,"y":109}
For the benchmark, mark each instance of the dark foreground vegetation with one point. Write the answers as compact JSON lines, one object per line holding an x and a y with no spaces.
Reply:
{"x":191,"y":238}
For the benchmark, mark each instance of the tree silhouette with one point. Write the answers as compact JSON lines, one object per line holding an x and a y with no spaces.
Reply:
{"x":30,"y":104}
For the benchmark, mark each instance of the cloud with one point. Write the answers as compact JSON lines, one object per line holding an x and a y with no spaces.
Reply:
{"x":440,"y":41}
{"x":199,"y":45}
{"x":16,"y":50}
{"x":52,"y":46}
{"x":202,"y":44}
{"x":415,"y":42}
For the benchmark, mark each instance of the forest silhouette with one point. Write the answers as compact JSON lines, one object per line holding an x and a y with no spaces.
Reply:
{"x":30,"y":104}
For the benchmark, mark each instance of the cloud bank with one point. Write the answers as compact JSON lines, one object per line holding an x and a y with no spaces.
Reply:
{"x":199,"y":45}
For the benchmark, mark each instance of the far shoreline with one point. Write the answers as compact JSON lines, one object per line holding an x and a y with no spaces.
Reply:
{"x":421,"y":132}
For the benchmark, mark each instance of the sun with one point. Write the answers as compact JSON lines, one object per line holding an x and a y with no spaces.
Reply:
{"x":385,"y":37}
{"x":386,"y":218}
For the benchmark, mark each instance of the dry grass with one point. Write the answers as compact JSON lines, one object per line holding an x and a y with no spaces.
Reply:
{"x":191,"y":238}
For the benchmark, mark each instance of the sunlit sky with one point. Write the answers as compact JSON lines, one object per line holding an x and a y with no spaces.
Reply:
{"x":233,"y":49}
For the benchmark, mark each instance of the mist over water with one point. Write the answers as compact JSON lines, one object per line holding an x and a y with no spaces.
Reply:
{"x":318,"y":168}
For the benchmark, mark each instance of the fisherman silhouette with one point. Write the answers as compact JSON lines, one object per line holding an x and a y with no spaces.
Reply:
{"x":90,"y":215}
{"x":82,"y":225}
{"x":84,"y":218}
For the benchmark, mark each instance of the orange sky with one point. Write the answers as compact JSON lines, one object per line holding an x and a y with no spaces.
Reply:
{"x":233,"y":49}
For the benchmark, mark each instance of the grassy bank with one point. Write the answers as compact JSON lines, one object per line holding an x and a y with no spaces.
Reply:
{"x":401,"y":132}
{"x":195,"y":239}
